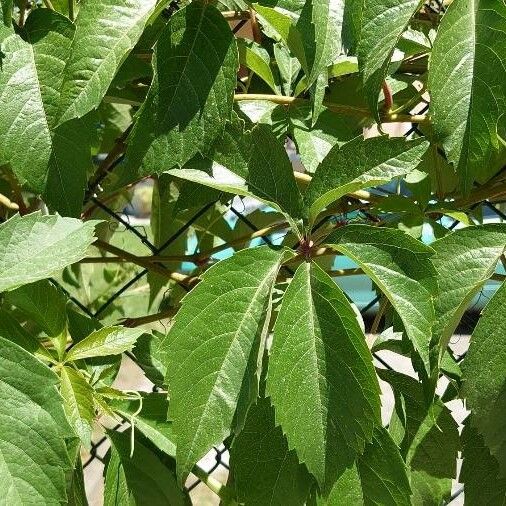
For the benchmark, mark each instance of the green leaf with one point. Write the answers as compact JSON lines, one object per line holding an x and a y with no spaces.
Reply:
{"x":383,"y":22}
{"x":138,"y":479}
{"x":265,"y":471}
{"x":34,"y":458}
{"x":106,"y":30}
{"x":251,"y":164}
{"x":34,"y":247}
{"x":320,"y":24}
{"x":467,"y":83}
{"x":151,"y":421}
{"x":383,"y":472}
{"x":288,"y":66}
{"x":362,"y":164}
{"x":43,"y":303}
{"x":285,"y":29}
{"x":208,"y":348}
{"x":321,"y":376}
{"x":78,"y":403}
{"x":7,"y":6}
{"x":76,"y":492}
{"x":257,"y":59}
{"x":483,"y":484}
{"x":464,"y":260}
{"x":11,"y":330}
{"x":40,"y":154}
{"x":105,"y":341}
{"x":401,"y":268}
{"x":379,"y":477}
{"x":484,"y":376}
{"x":191,"y":96}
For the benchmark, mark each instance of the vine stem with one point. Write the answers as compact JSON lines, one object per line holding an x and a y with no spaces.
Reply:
{"x":344,"y":109}
{"x":214,"y":485}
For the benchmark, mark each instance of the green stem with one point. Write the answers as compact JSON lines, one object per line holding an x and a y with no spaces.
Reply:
{"x":214,"y":485}
{"x":72,"y":10}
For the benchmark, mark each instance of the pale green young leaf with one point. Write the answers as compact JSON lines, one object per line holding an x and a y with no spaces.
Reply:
{"x":265,"y":471}
{"x":34,"y":247}
{"x":484,"y":376}
{"x":191,"y":95}
{"x":288,"y":66}
{"x":11,"y":330}
{"x":103,"y":342}
{"x":361,"y":164}
{"x":382,"y":24}
{"x":467,"y":83}
{"x":257,"y":59}
{"x":464,"y":260}
{"x":151,"y":421}
{"x":33,"y":427}
{"x":320,"y":25}
{"x":208,"y":348}
{"x":401,"y":268}
{"x":43,"y":303}
{"x":106,"y":30}
{"x":140,"y":479}
{"x":251,"y":164}
{"x":321,"y":376}
{"x":78,"y":403}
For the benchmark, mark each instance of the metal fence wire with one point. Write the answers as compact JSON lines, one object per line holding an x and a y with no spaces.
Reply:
{"x":219,"y":461}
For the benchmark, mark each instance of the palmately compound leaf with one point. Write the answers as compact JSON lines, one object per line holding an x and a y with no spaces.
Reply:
{"x":467,"y":83}
{"x":265,"y":471}
{"x":33,"y":455}
{"x":78,"y":403}
{"x":42,"y":302}
{"x":209,"y":346}
{"x":191,"y":96}
{"x":250,"y":164}
{"x":51,"y":161}
{"x":400,"y":266}
{"x":106,"y":30}
{"x":383,"y":22}
{"x":142,"y":478}
{"x":360,"y":164}
{"x":484,"y":376}
{"x":34,"y":247}
{"x":321,"y":379}
{"x":104,"y":342}
{"x":464,"y":260}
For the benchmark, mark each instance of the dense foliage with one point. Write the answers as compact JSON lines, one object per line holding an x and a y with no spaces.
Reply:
{"x":268,"y":151}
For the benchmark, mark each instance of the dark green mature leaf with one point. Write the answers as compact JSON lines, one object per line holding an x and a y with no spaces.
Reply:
{"x":400,"y":266}
{"x":78,"y":403}
{"x":361,"y":164}
{"x":11,"y":330}
{"x":484,"y":376}
{"x":467,"y":83}
{"x":140,"y":479}
{"x":34,"y":247}
{"x":251,"y":164}
{"x":464,"y":260}
{"x":33,"y":427}
{"x":151,"y":421}
{"x":43,"y":156}
{"x":265,"y":471}
{"x":378,"y":478}
{"x":42,"y":302}
{"x":321,"y":376}
{"x":106,"y":30}
{"x":480,"y":474}
{"x":105,"y":341}
{"x":191,"y":96}
{"x":382,"y":24}
{"x":76,"y":493}
{"x":320,"y":24}
{"x":208,"y":349}
{"x":7,"y":11}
